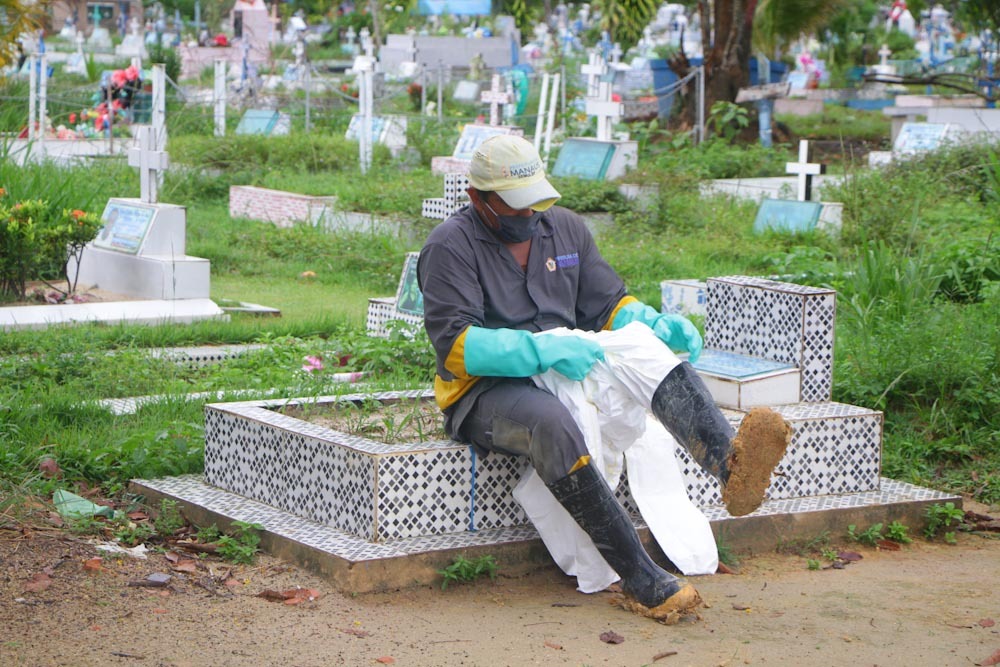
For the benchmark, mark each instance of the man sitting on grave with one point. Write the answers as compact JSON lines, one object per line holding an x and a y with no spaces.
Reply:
{"x":514,"y":286}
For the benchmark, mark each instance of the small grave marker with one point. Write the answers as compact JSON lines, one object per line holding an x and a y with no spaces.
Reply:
{"x":584,"y":158}
{"x":919,"y":137}
{"x":258,"y":121}
{"x":785,"y":215}
{"x":805,"y":171}
{"x":473,"y":135}
{"x":607,"y":111}
{"x":466,"y":91}
{"x":409,"y":298}
{"x":594,"y":70}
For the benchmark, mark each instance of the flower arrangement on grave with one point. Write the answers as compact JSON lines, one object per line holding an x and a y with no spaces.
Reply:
{"x":37,"y":240}
{"x":415,"y":91}
{"x":111,"y":105}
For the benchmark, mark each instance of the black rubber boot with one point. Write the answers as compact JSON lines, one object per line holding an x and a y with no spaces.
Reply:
{"x":742,"y":462}
{"x":686,"y":408}
{"x":590,"y":502}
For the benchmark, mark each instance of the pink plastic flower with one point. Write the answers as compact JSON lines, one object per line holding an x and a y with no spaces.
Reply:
{"x":313,"y":364}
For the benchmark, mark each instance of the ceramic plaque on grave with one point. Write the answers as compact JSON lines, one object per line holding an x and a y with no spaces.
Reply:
{"x":919,"y":137}
{"x":257,"y":121}
{"x":354,"y":128}
{"x":584,"y":158}
{"x":125,"y":227}
{"x":466,"y":91}
{"x":473,"y":135}
{"x":409,"y":298}
{"x":787,"y":215}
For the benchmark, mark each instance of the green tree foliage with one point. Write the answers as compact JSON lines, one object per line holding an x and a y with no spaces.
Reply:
{"x":16,"y":18}
{"x":625,"y":19}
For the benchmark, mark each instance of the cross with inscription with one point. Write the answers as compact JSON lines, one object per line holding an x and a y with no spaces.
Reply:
{"x":595,"y":69}
{"x":607,"y":111}
{"x":496,"y":98}
{"x":149,"y":161}
{"x":805,"y":171}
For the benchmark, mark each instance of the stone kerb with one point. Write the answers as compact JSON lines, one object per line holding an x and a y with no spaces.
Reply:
{"x":284,"y":209}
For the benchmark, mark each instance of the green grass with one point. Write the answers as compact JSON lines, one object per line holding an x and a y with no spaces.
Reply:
{"x":916,"y":269}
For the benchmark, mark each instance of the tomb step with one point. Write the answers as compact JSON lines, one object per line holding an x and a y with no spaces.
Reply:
{"x":742,"y":382}
{"x":356,"y":565}
{"x":383,"y":492}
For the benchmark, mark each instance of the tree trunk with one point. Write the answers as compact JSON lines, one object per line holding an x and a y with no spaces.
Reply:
{"x":726,"y":32}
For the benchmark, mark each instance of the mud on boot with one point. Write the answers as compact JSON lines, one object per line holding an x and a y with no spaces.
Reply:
{"x":741,"y":462}
{"x":757,"y":449}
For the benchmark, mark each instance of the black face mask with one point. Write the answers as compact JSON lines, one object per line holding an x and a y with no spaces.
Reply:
{"x":515,"y":228}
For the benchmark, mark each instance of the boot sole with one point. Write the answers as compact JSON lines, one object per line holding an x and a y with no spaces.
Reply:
{"x":682,"y":603}
{"x":758,"y":447}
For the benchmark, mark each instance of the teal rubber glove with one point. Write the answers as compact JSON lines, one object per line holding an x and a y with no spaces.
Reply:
{"x":515,"y":353}
{"x":674,"y":330}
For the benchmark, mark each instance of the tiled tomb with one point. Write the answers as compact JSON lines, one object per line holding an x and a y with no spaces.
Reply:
{"x":361,"y":500}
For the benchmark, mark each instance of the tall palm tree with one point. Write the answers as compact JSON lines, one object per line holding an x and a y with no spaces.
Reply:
{"x":16,"y":18}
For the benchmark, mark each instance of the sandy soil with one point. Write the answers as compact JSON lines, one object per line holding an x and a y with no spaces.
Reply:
{"x":927,"y":604}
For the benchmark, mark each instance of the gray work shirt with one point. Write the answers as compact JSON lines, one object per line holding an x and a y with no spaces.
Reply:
{"x":469,"y":278}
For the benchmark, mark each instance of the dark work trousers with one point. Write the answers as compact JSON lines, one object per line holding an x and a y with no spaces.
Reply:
{"x":516,"y":417}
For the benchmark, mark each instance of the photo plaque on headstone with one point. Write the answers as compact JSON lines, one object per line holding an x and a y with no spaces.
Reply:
{"x":125,"y":227}
{"x":409,"y":298}
{"x":472,"y":136}
{"x":787,"y":215}
{"x":919,"y":137}
{"x":257,"y":121}
{"x":584,"y":158}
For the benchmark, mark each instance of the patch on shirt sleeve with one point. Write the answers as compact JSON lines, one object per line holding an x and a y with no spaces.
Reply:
{"x":566,"y":261}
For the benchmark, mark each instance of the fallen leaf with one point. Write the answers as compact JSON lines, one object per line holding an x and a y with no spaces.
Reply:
{"x":849,"y":556}
{"x":172,"y":556}
{"x":160,"y":610}
{"x":38,"y":583}
{"x":386,"y":660}
{"x":994,"y":659}
{"x":611,"y":637}
{"x":357,"y":632}
{"x":138,"y":515}
{"x":93,"y":565}
{"x":986,"y":623}
{"x":557,"y":647}
{"x":724,"y":569}
{"x":741,"y":607}
{"x":888,"y":545}
{"x":232,"y":582}
{"x":186,"y":565}
{"x":155,"y":580}
{"x":292,"y":596}
{"x":49,"y":468}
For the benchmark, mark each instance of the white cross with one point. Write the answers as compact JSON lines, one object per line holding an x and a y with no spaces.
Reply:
{"x":805,"y":171}
{"x":595,"y":69}
{"x":616,"y":53}
{"x":607,"y":111}
{"x":497,"y":98}
{"x":149,"y":161}
{"x":883,"y":55}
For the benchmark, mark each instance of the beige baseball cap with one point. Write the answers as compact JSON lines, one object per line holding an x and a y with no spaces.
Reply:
{"x":509,"y":166}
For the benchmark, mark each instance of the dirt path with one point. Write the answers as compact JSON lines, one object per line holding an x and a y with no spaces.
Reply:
{"x":928,"y":604}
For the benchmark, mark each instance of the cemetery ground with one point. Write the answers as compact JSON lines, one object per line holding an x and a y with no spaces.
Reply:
{"x":929,"y":603}
{"x":918,"y":336}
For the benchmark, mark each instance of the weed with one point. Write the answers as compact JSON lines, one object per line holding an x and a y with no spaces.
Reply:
{"x":130,"y":533}
{"x":241,"y":546}
{"x":812,"y":564}
{"x":806,"y":546}
{"x":830,"y":555}
{"x":464,"y":570}
{"x":942,"y":516}
{"x":169,"y":519}
{"x":949,"y":537}
{"x":898,"y":532}
{"x":868,"y":537}
{"x":208,"y":534}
